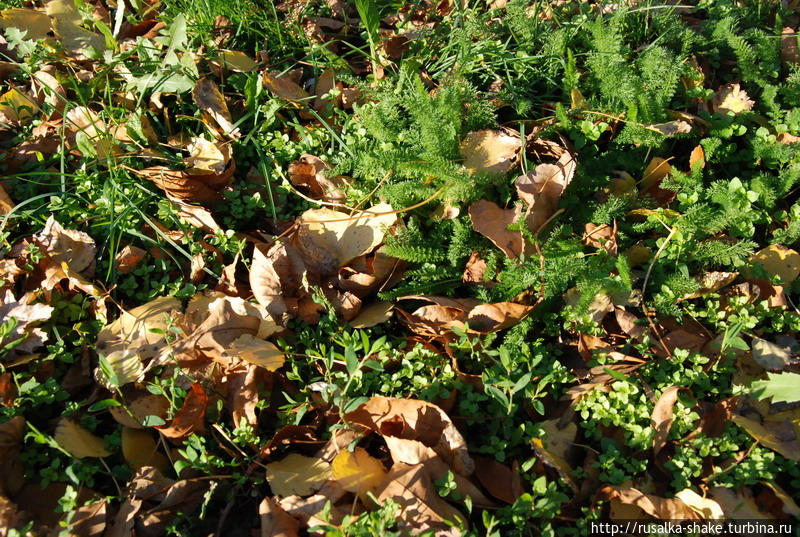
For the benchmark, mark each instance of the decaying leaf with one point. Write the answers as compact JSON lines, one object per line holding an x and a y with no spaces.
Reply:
{"x":27,"y":317}
{"x":779,"y":261}
{"x":140,"y":329}
{"x":297,"y":474}
{"x":309,"y":172}
{"x":275,"y":522}
{"x":412,"y":419}
{"x":129,"y":258}
{"x":663,"y":414}
{"x":284,"y":88}
{"x":78,"y":441}
{"x":34,"y":22}
{"x":139,"y":448}
{"x":75,"y":248}
{"x":207,"y":157}
{"x":770,"y":356}
{"x":191,"y":187}
{"x":237,"y":61}
{"x":17,"y":108}
{"x":257,"y":352}
{"x":331,"y":239}
{"x":655,"y":506}
{"x":705,"y":508}
{"x":209,"y":99}
{"x":493,"y":222}
{"x":491,"y":151}
{"x":125,"y":367}
{"x":373,"y":314}
{"x":553,"y":448}
{"x":731,"y":98}
{"x":541,"y":189}
{"x":357,"y":471}
{"x":777,"y":436}
{"x":190,"y":417}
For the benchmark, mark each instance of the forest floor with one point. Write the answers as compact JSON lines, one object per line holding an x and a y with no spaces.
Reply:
{"x":397,"y":268}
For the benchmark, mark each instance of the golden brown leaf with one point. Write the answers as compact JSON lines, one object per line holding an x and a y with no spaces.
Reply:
{"x":491,"y":151}
{"x":189,"y":418}
{"x":257,"y":352}
{"x":779,"y":261}
{"x":77,"y":441}
{"x":663,"y":414}
{"x":730,"y":98}
{"x":297,"y":474}
{"x":357,"y":471}
{"x":209,"y":99}
{"x":492,"y":222}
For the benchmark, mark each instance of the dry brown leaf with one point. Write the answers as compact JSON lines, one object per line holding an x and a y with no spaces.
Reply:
{"x":485,"y":318}
{"x":501,"y":481}
{"x":257,"y":352}
{"x":309,"y":172}
{"x":197,"y":216}
{"x":655,"y":506}
{"x":265,"y":280}
{"x":697,"y":159}
{"x":12,"y":477}
{"x":789,"y":53}
{"x":6,"y":203}
{"x":275,"y":522}
{"x":771,"y":356}
{"x":190,"y":417}
{"x":48,"y":90}
{"x":553,"y":448}
{"x":541,"y":189}
{"x":86,"y":121}
{"x":421,"y":508}
{"x":325,"y":83}
{"x":711,"y":282}
{"x":128,"y":259}
{"x":412,"y":419}
{"x":357,"y":471}
{"x":139,"y":408}
{"x":491,"y":151}
{"x":297,"y":474}
{"x":331,"y":239}
{"x":243,"y":394}
{"x":777,"y":436}
{"x":134,"y":329}
{"x":780,"y":261}
{"x":77,"y":441}
{"x":730,"y":98}
{"x":211,"y":102}
{"x":27,"y":316}
{"x":671,"y":128}
{"x":492,"y":222}
{"x":284,"y":88}
{"x":373,"y":315}
{"x":75,"y":248}
{"x":193,"y":187}
{"x":737,"y":503}
{"x":661,"y":419}
{"x":475,"y":269}
{"x":655,"y":172}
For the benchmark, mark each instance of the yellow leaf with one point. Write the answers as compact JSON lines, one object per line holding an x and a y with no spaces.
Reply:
{"x":77,"y":441}
{"x":284,"y":88}
{"x":731,"y":99}
{"x":66,"y":22}
{"x":126,"y":365}
{"x":706,"y":508}
{"x":139,"y":448}
{"x":257,"y":352}
{"x":373,"y":314}
{"x":490,"y":151}
{"x":358,"y":471}
{"x":17,"y":107}
{"x":656,"y":171}
{"x":134,"y":329}
{"x":32,"y":21}
{"x":237,"y":61}
{"x":207,"y":157}
{"x":297,"y":474}
{"x":335,"y":238}
{"x":779,"y":261}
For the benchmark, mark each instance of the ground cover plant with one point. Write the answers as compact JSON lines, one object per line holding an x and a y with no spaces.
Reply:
{"x":397,"y":268}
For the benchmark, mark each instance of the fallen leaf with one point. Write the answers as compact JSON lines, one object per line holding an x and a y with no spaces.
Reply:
{"x":190,"y":417}
{"x":697,"y":159}
{"x":125,"y":367}
{"x":35,"y":23}
{"x":283,"y":87}
{"x":275,"y":522}
{"x":671,"y":128}
{"x":27,"y":316}
{"x":655,"y":506}
{"x":237,"y":61}
{"x":297,"y":474}
{"x":309,"y":172}
{"x":140,"y":330}
{"x":710,"y":282}
{"x":330,"y":239}
{"x":192,"y":187}
{"x":501,"y":481}
{"x":491,"y":151}
{"x":412,"y":419}
{"x":777,"y":436}
{"x":541,"y":189}
{"x":128,"y":259}
{"x":662,"y":417}
{"x":207,"y":157}
{"x":778,"y":261}
{"x":77,"y":441}
{"x":6,"y":203}
{"x":209,"y":99}
{"x":140,"y":449}
{"x":86,"y":122}
{"x":373,"y":315}
{"x":257,"y":352}
{"x":737,"y":504}
{"x":554,"y":447}
{"x":141,"y":408}
{"x":325,"y":83}
{"x":492,"y":222}
{"x":195,"y":215}
{"x":770,"y":356}
{"x":357,"y":471}
{"x":485,"y":318}
{"x":75,"y":248}
{"x":655,"y":172}
{"x":730,"y":98}
{"x":17,"y":108}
